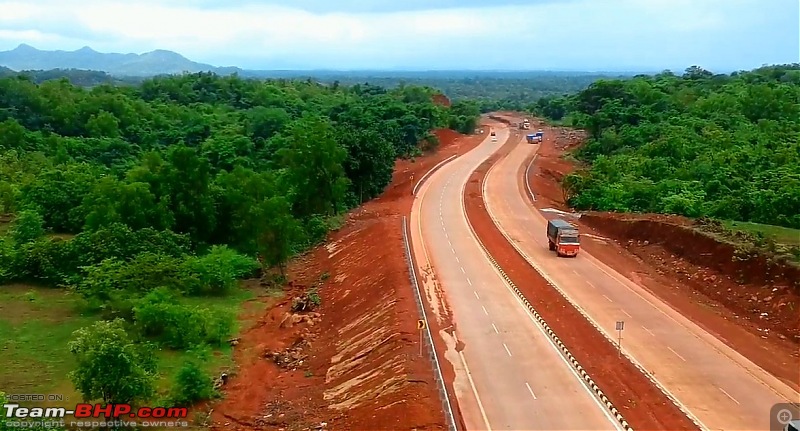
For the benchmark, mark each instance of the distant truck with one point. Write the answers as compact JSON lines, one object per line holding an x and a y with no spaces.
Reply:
{"x":526,"y":124}
{"x":563,"y":237}
{"x":494,"y":136}
{"x":534,"y":137}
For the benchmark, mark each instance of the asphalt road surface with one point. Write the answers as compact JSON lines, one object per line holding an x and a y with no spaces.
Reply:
{"x":720,"y":387}
{"x":508,"y":376}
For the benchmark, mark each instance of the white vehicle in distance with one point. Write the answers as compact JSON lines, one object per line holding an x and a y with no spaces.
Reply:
{"x":494,"y":136}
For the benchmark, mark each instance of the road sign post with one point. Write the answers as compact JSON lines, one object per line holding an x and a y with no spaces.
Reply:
{"x":620,"y":327}
{"x":421,"y":327}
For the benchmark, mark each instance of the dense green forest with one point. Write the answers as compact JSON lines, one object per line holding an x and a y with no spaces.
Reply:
{"x":492,"y":91}
{"x":81,"y":78}
{"x":149,"y":202}
{"x":699,"y":144}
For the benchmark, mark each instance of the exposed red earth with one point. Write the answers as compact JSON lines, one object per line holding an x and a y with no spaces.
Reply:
{"x":354,"y":362}
{"x":441,"y":99}
{"x":640,"y":402}
{"x":695,"y":273}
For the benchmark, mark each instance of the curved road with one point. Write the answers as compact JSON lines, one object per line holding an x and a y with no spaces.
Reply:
{"x":508,"y":375}
{"x":720,"y":387}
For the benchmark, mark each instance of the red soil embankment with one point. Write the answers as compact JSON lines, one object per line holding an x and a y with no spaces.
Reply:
{"x":354,"y":362}
{"x":695,"y":273}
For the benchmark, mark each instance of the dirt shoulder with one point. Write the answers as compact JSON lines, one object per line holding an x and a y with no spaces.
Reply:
{"x":353,"y":362}
{"x":641,"y":403}
{"x":751,"y":305}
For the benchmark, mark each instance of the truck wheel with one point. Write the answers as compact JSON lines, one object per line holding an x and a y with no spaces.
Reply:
{"x":551,"y":245}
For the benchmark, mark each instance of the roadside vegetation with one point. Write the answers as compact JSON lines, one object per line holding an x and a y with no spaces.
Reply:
{"x":725,"y":147}
{"x":130,"y":215}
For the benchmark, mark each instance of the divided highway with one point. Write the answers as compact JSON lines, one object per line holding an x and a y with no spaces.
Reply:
{"x":721,"y":388}
{"x":509,"y":375}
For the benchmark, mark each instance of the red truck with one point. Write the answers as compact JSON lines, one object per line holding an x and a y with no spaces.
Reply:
{"x":563,"y":237}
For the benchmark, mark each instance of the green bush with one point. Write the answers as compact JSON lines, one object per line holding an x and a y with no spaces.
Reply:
{"x":217,"y":272}
{"x":192,"y":384}
{"x":27,"y":227}
{"x":110,"y":366}
{"x":160,"y":316}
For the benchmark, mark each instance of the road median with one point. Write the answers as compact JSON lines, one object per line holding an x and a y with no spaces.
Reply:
{"x":629,"y":394}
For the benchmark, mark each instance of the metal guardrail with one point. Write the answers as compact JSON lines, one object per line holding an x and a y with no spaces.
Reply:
{"x":428,"y":339}
{"x":618,"y":415}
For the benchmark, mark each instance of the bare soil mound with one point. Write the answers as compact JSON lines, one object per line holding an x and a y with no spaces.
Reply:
{"x":753,"y":287}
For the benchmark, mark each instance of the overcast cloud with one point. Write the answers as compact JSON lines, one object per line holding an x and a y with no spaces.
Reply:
{"x":722,"y":35}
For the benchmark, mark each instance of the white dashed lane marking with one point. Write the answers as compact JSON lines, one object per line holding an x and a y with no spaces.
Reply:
{"x":676,"y":353}
{"x":530,"y":390}
{"x":728,"y":395}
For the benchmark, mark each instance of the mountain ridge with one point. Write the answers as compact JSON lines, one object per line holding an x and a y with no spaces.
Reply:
{"x":164,"y":62}
{"x":156,"y":62}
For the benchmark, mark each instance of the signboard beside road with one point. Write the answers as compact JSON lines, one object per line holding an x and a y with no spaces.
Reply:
{"x":620,"y":327}
{"x":421,"y":327}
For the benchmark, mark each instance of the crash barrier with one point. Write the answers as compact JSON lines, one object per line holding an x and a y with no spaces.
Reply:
{"x":583,"y":313}
{"x":438,"y":165}
{"x":428,"y":338}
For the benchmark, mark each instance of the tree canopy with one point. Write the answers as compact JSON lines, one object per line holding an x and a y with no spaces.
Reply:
{"x":136,"y":197}
{"x":699,"y":144}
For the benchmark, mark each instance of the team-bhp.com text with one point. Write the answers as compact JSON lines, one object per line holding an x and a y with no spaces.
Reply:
{"x":111,"y":414}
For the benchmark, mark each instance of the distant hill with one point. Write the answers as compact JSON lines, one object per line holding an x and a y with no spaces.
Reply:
{"x":158,"y":62}
{"x":163,"y":62}
{"x":494,"y":89}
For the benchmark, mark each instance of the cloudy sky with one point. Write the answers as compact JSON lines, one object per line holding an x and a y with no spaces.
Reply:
{"x":609,"y":35}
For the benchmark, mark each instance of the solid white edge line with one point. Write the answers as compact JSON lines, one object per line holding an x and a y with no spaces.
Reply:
{"x":559,"y":353}
{"x":472,"y":385}
{"x":527,"y":177}
{"x":421,"y":197}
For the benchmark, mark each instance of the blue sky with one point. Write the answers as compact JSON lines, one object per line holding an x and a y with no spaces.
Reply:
{"x":608,"y":35}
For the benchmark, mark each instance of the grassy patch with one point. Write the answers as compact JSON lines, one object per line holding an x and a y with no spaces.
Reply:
{"x":37,"y":323}
{"x":35,"y":326}
{"x":779,"y":234}
{"x":750,"y":239}
{"x":336,"y":222}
